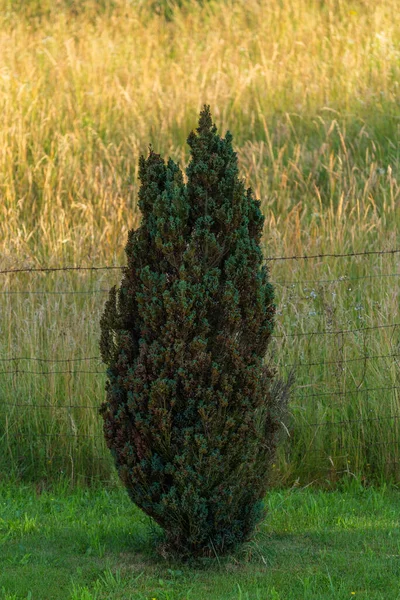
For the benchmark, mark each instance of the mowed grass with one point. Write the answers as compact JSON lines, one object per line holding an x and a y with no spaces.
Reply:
{"x":310,"y":91}
{"x":95,"y":544}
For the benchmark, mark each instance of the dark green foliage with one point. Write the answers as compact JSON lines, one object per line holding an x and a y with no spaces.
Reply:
{"x":189,"y":416}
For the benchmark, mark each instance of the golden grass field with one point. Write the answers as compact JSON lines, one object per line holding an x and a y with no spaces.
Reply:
{"x":310,"y":92}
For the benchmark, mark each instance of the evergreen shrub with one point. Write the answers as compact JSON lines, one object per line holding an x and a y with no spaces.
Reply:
{"x":191,"y":415}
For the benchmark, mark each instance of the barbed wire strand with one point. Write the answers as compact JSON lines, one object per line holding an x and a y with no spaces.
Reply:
{"x":335,"y":332}
{"x":96,"y":407}
{"x":54,"y":269}
{"x":342,"y":279}
{"x":69,"y":372}
{"x":267,"y":259}
{"x":333,"y":255}
{"x":104,"y":372}
{"x":285,"y":283}
{"x":346,"y":393}
{"x":51,"y":360}
{"x":98,"y":436}
{"x":298,"y":363}
{"x":51,"y":293}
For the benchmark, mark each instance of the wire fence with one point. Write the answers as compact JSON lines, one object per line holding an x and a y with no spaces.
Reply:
{"x":350,"y":386}
{"x":98,"y":359}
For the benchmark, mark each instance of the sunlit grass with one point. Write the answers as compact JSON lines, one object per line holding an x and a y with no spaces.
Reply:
{"x":310,"y":91}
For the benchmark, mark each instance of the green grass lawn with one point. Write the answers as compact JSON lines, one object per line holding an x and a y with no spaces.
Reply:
{"x":95,"y":544}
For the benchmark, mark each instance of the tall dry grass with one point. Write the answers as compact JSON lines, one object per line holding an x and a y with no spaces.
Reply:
{"x":310,"y":91}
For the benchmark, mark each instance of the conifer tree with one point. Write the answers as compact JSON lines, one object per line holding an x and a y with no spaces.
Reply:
{"x":190,"y":416}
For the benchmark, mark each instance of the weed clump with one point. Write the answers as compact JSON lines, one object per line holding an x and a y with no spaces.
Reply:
{"x":191,"y":416}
